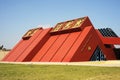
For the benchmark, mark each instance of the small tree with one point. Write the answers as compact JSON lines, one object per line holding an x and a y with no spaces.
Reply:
{"x":1,"y":47}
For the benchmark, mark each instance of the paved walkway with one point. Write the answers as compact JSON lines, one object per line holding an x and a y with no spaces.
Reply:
{"x":113,"y":63}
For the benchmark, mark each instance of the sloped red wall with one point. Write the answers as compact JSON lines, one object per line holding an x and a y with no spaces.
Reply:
{"x":33,"y":48}
{"x":21,"y":47}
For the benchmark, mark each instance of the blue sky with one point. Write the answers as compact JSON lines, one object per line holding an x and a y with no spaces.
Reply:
{"x":18,"y":16}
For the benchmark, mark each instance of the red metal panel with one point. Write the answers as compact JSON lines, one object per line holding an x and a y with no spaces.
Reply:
{"x":91,"y":41}
{"x":51,"y":52}
{"x":61,"y":53}
{"x":108,"y":40}
{"x":23,"y":46}
{"x":87,"y":47}
{"x":77,"y":44}
{"x":45,"y":48}
{"x":18,"y":51}
{"x":10,"y":53}
{"x":15,"y":54}
{"x":33,"y":48}
{"x":87,"y":52}
{"x":111,"y":40}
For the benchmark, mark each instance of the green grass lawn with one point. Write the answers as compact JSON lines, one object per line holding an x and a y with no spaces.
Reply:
{"x":57,"y":72}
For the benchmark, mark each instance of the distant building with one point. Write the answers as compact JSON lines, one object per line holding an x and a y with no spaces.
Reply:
{"x":70,"y":41}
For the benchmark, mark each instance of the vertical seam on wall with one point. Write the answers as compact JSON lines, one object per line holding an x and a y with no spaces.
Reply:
{"x":59,"y":47}
{"x":28,"y":45}
{"x":49,"y":48}
{"x":12,"y":50}
{"x":70,"y":47}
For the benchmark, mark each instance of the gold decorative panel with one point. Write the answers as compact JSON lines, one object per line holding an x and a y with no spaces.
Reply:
{"x":78,"y":22}
{"x":30,"y":33}
{"x":68,"y":25}
{"x":58,"y":27}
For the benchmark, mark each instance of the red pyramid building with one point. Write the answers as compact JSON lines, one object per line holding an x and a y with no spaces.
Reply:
{"x":69,"y":41}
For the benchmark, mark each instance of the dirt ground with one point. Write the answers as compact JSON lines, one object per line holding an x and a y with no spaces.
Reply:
{"x":3,"y":54}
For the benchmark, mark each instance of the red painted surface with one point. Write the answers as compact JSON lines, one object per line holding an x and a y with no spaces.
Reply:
{"x":22,"y":47}
{"x":54,"y":48}
{"x":77,"y":45}
{"x":33,"y":48}
{"x":82,"y":53}
{"x":111,"y":40}
{"x":63,"y":45}
{"x":42,"y":52}
{"x":110,"y":54}
{"x":11,"y":52}
{"x":64,"y":49}
{"x":108,"y":40}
